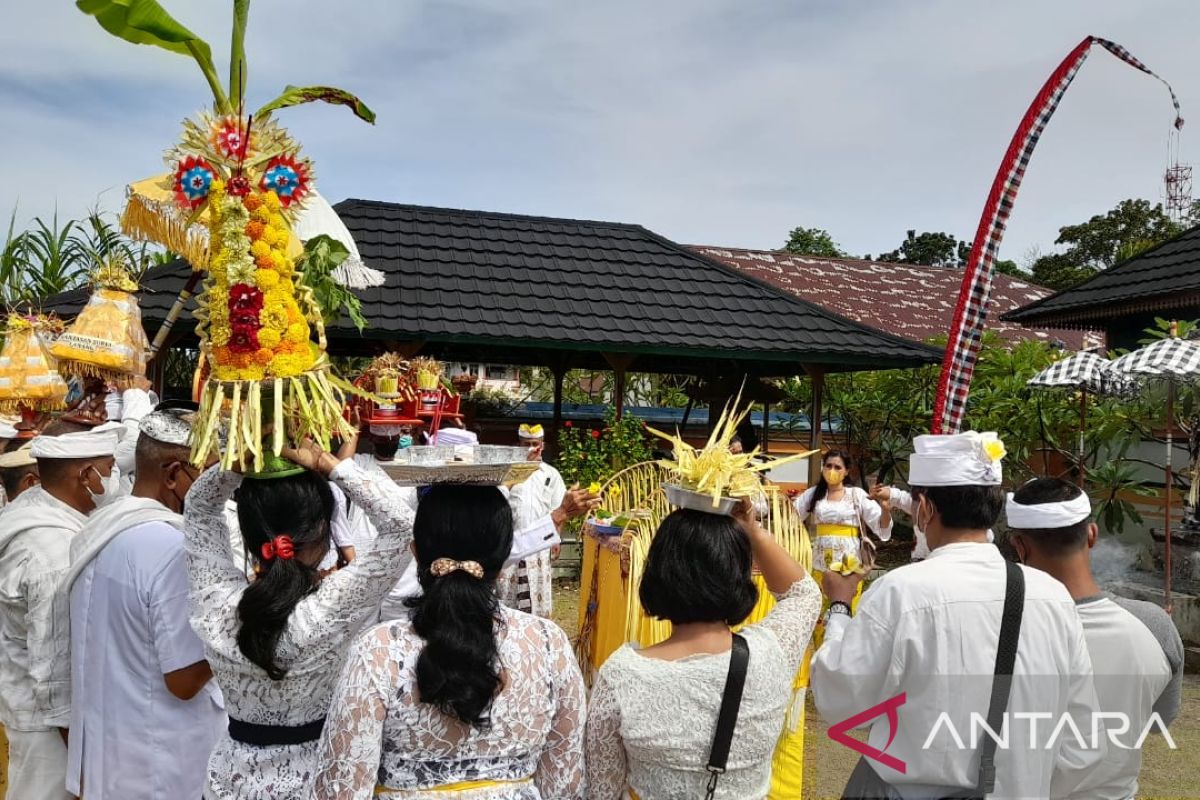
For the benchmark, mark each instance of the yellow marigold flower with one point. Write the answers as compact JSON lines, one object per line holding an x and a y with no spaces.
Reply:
{"x":297,"y":332}
{"x":277,"y":222}
{"x":271,"y":200}
{"x":263,"y":214}
{"x":266,"y":279}
{"x":269,"y":338}
{"x":260,"y":249}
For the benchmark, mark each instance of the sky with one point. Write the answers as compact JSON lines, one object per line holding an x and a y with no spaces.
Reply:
{"x":719,"y":122}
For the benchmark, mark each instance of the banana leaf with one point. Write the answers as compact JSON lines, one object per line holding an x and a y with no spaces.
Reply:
{"x":299,"y":95}
{"x":147,"y":22}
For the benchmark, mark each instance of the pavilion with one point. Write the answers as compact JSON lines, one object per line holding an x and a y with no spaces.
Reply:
{"x":564,"y":294}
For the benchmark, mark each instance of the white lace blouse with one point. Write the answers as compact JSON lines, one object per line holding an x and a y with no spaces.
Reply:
{"x":651,"y":722}
{"x":313,"y":646}
{"x":379,"y":732}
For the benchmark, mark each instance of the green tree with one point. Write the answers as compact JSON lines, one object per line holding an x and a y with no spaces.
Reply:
{"x":930,"y":249}
{"x":1130,"y":228}
{"x":1007,"y":266}
{"x":813,"y":242}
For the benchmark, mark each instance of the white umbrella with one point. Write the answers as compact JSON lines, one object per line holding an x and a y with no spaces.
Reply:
{"x":1170,"y":359}
{"x":1087,"y":372}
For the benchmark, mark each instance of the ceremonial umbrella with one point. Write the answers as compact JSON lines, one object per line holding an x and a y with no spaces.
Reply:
{"x":1171,"y":359}
{"x":1087,"y":372}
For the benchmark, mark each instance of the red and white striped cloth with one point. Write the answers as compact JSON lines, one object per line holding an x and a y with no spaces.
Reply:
{"x":966,"y":329}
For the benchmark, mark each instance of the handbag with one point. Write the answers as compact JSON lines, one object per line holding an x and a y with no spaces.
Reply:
{"x":865,"y":783}
{"x":731,"y":701}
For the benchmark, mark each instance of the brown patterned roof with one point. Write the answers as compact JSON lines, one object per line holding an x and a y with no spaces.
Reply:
{"x":912,"y":301}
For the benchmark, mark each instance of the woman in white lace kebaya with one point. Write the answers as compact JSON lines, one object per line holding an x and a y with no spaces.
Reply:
{"x":276,"y":645}
{"x":461,"y":694}
{"x":653,"y":711}
{"x":842,"y":514}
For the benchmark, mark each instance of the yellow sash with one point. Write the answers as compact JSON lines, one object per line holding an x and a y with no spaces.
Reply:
{"x":461,"y":786}
{"x":825,"y":529}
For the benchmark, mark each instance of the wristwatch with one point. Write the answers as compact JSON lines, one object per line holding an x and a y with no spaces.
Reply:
{"x":838,"y":607}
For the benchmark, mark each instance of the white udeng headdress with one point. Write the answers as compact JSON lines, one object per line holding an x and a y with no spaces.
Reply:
{"x":960,"y":459}
{"x":100,"y":441}
{"x":1048,"y":516}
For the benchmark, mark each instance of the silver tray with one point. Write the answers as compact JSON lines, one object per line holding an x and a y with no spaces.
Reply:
{"x":695,"y":501}
{"x":475,"y":465}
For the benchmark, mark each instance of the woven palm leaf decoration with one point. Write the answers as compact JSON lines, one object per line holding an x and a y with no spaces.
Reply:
{"x":235,"y":187}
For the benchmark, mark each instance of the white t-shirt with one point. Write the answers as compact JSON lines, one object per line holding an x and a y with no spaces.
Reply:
{"x":1131,"y":672}
{"x":130,"y":737}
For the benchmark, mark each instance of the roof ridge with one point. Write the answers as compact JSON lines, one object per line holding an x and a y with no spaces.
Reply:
{"x":466,"y":212}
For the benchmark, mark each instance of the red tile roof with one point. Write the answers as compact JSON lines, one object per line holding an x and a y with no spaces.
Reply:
{"x":912,"y":301}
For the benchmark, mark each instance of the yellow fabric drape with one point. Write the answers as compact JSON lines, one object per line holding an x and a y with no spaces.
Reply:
{"x":461,"y":786}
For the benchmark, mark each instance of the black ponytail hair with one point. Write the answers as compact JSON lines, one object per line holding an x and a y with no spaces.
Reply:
{"x":457,"y":671}
{"x":299,"y":506}
{"x":822,"y":484}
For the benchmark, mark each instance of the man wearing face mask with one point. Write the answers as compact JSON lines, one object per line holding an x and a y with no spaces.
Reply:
{"x":140,"y":684}
{"x":928,"y":636}
{"x":78,"y":474}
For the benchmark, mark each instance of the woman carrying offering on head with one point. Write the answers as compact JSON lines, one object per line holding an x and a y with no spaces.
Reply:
{"x":276,"y":644}
{"x":842,"y":514}
{"x":654,"y":711}
{"x":461,"y":694}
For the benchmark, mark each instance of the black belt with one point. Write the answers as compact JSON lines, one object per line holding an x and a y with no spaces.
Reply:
{"x":270,"y":735}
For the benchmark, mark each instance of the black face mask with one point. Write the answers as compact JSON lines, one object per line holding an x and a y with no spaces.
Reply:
{"x":192,"y":482}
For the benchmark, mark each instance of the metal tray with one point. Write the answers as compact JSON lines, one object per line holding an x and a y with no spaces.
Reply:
{"x":695,"y":501}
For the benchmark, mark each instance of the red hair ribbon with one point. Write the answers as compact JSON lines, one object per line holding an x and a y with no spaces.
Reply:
{"x":279,"y":546}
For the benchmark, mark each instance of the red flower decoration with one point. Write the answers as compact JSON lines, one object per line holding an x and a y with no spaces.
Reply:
{"x":595,"y":434}
{"x":244,"y":319}
{"x":281,"y":546}
{"x":243,"y":339}
{"x":238,"y":186}
{"x":244,"y":297}
{"x":230,"y":138}
{"x":193,"y":178}
{"x":288,"y":177}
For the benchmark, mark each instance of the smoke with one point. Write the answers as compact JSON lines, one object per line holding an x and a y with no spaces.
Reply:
{"x":1112,"y":561}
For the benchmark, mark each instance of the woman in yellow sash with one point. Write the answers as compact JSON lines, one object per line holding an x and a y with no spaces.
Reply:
{"x":461,"y":696}
{"x":842,"y":514}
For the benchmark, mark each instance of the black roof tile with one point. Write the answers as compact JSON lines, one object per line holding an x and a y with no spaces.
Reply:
{"x":1165,"y":276}
{"x":503,"y":286}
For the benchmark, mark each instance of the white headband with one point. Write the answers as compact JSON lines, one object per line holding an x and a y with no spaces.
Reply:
{"x":99,"y":441}
{"x":7,"y":431}
{"x":1048,"y":516}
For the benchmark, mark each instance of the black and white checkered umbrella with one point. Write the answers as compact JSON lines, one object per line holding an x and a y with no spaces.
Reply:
{"x":1175,"y":359}
{"x":1084,"y":370}
{"x":1172,"y":360}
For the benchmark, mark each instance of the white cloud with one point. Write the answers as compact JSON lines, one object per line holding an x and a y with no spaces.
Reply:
{"x":711,"y":121}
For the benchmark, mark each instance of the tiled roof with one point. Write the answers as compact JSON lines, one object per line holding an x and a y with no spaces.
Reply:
{"x":1164,"y":277}
{"x":511,"y":288}
{"x":912,"y":301}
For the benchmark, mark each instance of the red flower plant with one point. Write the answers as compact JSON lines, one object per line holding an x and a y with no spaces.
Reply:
{"x":244,"y":297}
{"x":595,"y":434}
{"x":569,"y":424}
{"x":243,"y":339}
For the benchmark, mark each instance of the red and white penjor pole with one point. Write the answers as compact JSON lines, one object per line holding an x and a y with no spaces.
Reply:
{"x":966,"y":329}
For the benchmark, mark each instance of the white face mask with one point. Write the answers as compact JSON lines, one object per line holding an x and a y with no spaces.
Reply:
{"x":110,"y":487}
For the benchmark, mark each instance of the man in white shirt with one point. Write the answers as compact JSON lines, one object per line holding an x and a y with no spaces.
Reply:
{"x":528,"y":585}
{"x":144,"y":715}
{"x":1135,"y":648}
{"x":77,"y":474}
{"x":925,"y":640}
{"x":18,"y":471}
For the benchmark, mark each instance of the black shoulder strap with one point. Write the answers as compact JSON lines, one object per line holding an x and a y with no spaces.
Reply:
{"x":731,"y":701}
{"x":1006,"y":657}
